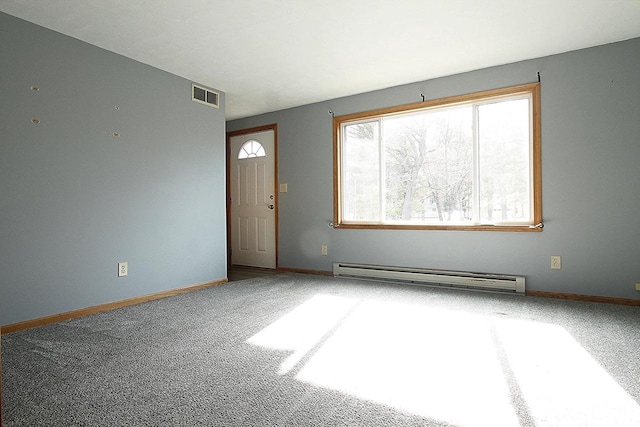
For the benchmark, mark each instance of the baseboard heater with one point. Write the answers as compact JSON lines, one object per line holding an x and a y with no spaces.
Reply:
{"x":427,"y":277}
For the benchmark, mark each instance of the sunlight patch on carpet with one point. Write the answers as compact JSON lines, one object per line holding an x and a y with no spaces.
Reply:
{"x":561,"y":382}
{"x":446,"y":365}
{"x":433,"y":363}
{"x":300,"y":330}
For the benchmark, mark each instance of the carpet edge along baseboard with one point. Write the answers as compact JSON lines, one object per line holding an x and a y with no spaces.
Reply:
{"x":54,"y":318}
{"x":584,"y":298}
{"x":305,"y":271}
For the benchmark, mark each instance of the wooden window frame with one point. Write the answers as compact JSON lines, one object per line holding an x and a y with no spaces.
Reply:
{"x":530,"y":89}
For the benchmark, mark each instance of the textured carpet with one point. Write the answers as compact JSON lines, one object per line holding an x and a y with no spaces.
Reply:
{"x":299,"y":350}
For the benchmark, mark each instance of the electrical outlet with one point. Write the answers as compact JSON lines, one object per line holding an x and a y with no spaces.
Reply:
{"x":324,"y":250}
{"x":637,"y":286}
{"x":556,"y":262}
{"x":123,"y":269}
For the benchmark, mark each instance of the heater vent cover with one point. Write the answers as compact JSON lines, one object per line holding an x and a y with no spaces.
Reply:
{"x":205,"y":96}
{"x":428,"y":277}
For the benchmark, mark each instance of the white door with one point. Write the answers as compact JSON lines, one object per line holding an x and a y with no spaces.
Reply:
{"x":253,"y":199}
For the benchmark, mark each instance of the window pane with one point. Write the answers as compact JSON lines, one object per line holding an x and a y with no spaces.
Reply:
{"x":503,"y":145}
{"x":251,"y":148}
{"x":428,"y":165}
{"x":361,"y":172}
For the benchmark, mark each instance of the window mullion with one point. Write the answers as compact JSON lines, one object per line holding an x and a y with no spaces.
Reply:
{"x":381,"y":157}
{"x":476,"y":164}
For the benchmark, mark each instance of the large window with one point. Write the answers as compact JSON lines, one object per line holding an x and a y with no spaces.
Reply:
{"x":468,"y":162}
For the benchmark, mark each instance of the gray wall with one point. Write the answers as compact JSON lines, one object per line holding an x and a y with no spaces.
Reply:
{"x":74,"y":200}
{"x":590,"y":174}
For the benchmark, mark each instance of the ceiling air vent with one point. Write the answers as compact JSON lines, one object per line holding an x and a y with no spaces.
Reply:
{"x":205,"y":96}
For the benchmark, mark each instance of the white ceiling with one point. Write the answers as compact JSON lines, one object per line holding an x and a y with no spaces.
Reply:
{"x":269,"y":55}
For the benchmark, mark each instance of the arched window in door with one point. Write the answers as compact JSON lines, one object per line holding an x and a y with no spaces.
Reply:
{"x":251,"y":148}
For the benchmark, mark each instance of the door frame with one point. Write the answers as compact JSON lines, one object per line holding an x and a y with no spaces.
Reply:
{"x":273,"y":127}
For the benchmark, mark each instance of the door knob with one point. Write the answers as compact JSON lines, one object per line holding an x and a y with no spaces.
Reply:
{"x":270,"y":207}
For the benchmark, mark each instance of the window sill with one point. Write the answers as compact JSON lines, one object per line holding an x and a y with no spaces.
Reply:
{"x":503,"y":228}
